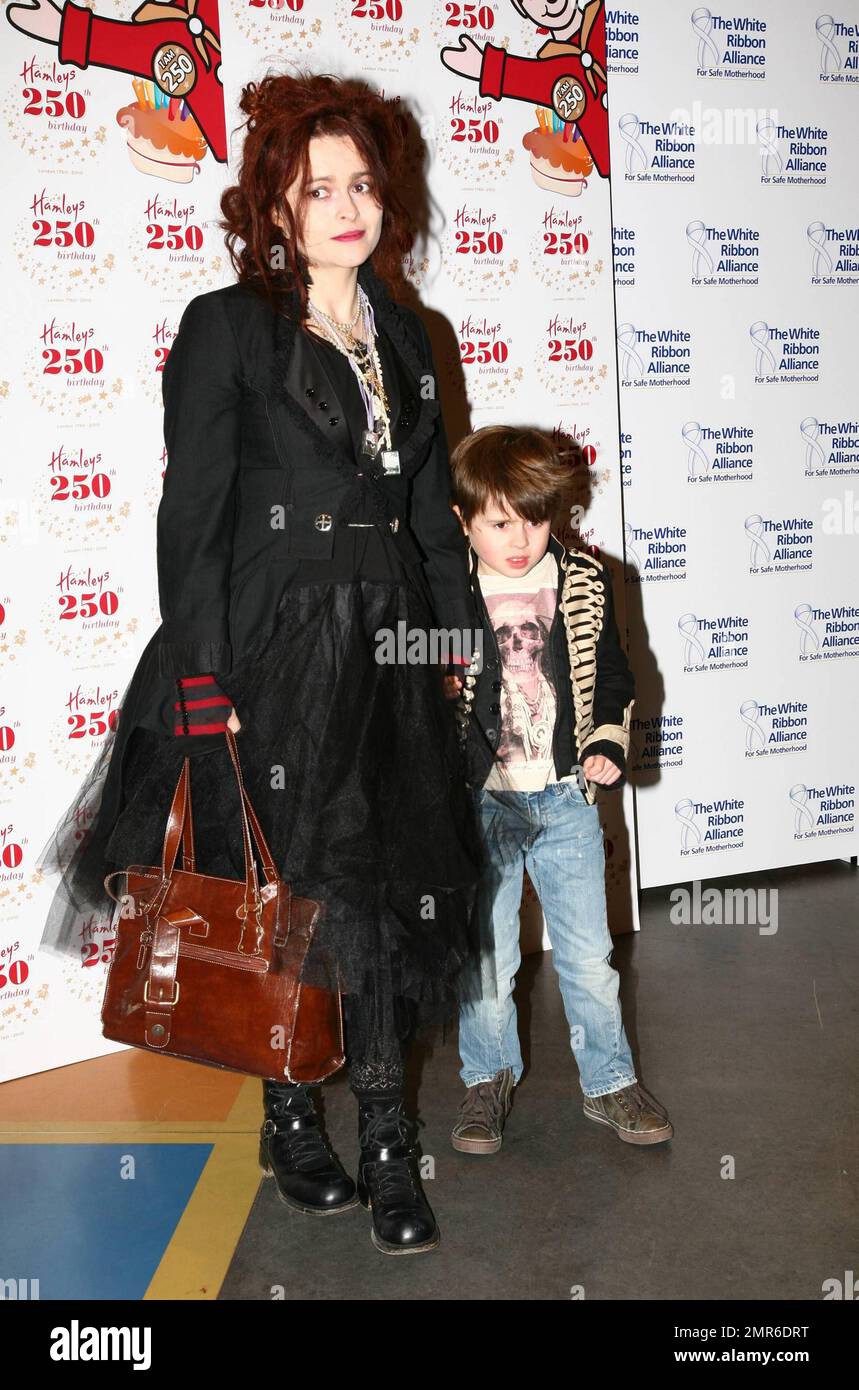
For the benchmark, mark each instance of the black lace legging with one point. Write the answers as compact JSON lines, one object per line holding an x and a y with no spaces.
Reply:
{"x":378,"y":1029}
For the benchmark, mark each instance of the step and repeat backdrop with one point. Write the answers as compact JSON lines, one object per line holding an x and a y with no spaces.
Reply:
{"x":735,"y":188}
{"x":122,"y":129}
{"x":722,"y":493}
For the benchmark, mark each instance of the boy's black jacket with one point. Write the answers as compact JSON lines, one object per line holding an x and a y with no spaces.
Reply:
{"x":594,"y":699}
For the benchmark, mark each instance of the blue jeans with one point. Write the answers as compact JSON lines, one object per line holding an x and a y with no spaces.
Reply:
{"x":557,"y":836}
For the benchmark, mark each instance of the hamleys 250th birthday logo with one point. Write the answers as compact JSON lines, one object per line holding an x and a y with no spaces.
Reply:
{"x":173,"y":51}
{"x":567,"y":84}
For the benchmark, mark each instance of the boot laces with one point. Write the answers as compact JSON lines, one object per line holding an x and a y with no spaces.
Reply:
{"x":392,"y":1177}
{"x":304,"y":1145}
{"x":389,"y":1127}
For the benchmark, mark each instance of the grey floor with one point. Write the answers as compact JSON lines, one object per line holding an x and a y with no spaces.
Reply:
{"x":750,"y":1042}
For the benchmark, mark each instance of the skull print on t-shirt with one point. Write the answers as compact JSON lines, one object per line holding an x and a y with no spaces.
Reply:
{"x":521,"y":612}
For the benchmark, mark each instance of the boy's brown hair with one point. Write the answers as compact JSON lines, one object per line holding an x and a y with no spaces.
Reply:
{"x":502,"y":463}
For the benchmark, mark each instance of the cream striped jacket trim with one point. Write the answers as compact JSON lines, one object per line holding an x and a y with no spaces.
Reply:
{"x":582,"y":605}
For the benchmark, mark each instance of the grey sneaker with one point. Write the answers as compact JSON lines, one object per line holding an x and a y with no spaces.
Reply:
{"x":482,"y":1114}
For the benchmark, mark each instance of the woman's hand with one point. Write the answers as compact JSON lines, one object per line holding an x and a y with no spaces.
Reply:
{"x":452,"y":687}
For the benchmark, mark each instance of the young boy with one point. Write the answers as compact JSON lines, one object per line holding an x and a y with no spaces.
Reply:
{"x":544,"y":722}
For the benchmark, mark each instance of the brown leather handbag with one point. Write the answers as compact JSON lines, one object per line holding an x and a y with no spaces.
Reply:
{"x":209,"y":968}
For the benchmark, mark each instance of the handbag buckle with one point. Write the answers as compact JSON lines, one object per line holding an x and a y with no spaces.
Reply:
{"x":161,"y":1003}
{"x":242,"y":913}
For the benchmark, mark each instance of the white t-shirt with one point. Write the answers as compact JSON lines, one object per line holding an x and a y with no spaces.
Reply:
{"x":521,"y":612}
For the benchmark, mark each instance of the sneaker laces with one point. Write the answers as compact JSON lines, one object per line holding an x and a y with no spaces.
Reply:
{"x":635,"y":1099}
{"x":482,"y":1105}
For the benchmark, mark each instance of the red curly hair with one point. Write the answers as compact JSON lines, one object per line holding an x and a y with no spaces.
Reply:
{"x":284,"y":114}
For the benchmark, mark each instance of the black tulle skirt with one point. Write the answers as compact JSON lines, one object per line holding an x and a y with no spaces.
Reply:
{"x":354,"y":770}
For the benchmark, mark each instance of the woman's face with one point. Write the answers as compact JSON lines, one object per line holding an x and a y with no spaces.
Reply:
{"x":340,"y":222}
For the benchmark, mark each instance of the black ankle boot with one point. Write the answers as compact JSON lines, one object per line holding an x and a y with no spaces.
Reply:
{"x":308,"y":1173}
{"x":389,"y":1182}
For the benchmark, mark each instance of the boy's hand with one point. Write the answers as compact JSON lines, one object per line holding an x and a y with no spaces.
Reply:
{"x":599,"y":769}
{"x":452,"y":687}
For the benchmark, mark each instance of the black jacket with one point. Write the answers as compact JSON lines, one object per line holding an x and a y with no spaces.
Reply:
{"x":252,"y":422}
{"x":253,"y":425}
{"x":594,"y":700}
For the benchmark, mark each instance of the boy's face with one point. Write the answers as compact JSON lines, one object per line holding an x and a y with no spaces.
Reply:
{"x":505,"y":542}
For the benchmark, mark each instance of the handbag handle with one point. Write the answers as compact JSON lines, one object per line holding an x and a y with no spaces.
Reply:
{"x":178,"y":821}
{"x":189,"y":853}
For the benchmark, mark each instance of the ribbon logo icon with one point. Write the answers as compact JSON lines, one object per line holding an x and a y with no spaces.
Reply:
{"x":693,"y":650}
{"x":830,"y":58}
{"x":814,"y":452}
{"x":810,"y":642}
{"x":695,"y":235}
{"x":764,"y":355}
{"x":772,"y":160}
{"x":630,"y":553}
{"x":632,"y":363}
{"x":816,"y":233}
{"x":754,"y":526}
{"x":702,"y":23}
{"x":750,"y":715}
{"x":802,"y":818}
{"x":695,"y":454}
{"x":684,"y":813}
{"x":630,"y":128}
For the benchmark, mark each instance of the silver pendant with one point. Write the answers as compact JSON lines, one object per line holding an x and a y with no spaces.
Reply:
{"x":391,"y":460}
{"x":371,"y":442}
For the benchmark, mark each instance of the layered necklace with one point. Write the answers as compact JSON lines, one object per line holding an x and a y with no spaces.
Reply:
{"x":363,"y":357}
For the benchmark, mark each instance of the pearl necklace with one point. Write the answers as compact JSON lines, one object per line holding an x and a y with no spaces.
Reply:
{"x":371,"y":382}
{"x":344,"y":327}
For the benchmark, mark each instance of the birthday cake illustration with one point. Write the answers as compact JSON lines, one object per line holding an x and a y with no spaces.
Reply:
{"x":560,"y":160}
{"x":163,"y":139}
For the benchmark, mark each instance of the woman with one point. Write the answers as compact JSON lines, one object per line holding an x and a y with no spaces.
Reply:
{"x":304,"y":513}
